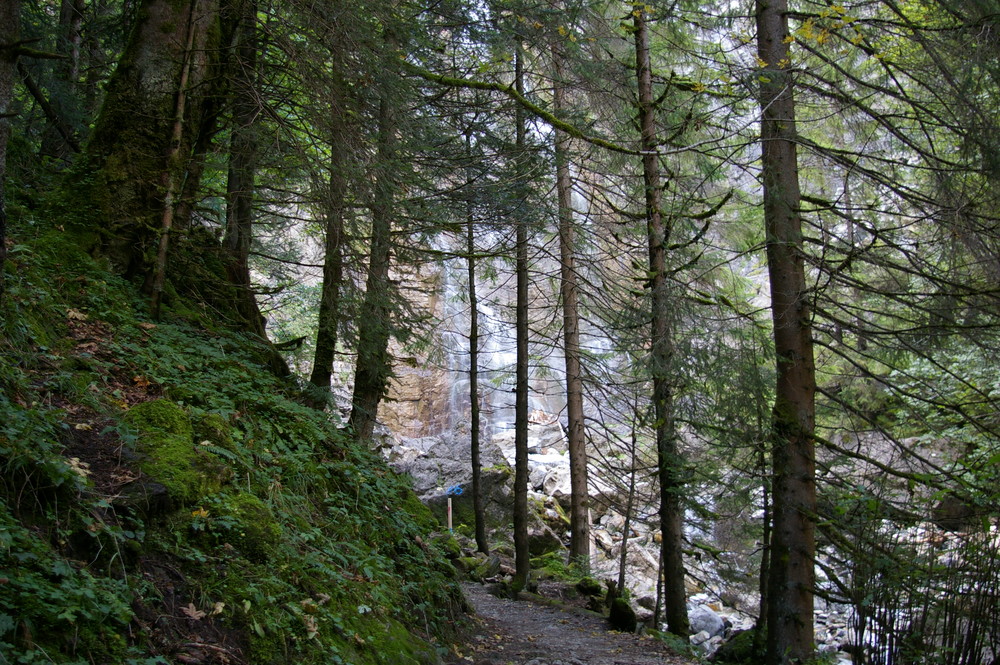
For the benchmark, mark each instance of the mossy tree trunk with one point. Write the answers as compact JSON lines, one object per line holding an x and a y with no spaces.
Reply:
{"x":133,"y":154}
{"x":10,"y":22}
{"x":373,"y":369}
{"x":240,"y":185}
{"x":335,"y":211}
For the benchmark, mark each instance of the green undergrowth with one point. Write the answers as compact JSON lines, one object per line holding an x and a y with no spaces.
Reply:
{"x":159,"y":489}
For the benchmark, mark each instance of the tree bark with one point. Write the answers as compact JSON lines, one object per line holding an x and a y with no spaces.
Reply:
{"x":171,"y":176}
{"x":240,"y":185}
{"x":10,"y":33}
{"x":579,"y":550}
{"x":373,"y":369}
{"x":482,"y":542}
{"x":793,"y":491}
{"x":669,"y":466}
{"x":522,"y":559}
{"x":132,"y":149}
{"x":333,"y":258}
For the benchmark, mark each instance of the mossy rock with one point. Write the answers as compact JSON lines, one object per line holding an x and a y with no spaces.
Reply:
{"x":215,"y":429}
{"x":622,"y":616}
{"x":543,"y":541}
{"x":449,"y":545}
{"x":392,"y":643}
{"x":253,"y":530}
{"x":588,"y":586}
{"x":161,"y":416}
{"x":465,"y":564}
{"x":169,"y":455}
{"x":738,"y":649}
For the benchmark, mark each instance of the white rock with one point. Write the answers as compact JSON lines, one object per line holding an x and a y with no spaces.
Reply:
{"x":704,"y":618}
{"x":557,"y":482}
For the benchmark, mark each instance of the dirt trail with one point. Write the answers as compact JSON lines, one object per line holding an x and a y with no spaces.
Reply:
{"x":529,"y":633}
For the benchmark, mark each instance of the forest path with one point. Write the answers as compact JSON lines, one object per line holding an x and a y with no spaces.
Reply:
{"x":523,"y":632}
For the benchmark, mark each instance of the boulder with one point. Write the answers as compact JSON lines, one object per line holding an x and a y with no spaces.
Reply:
{"x":739,"y":648}
{"x":536,"y":477}
{"x":704,"y":619}
{"x":647,"y":602}
{"x":588,"y":586}
{"x":169,"y":457}
{"x":546,"y":435}
{"x":543,"y":540}
{"x":438,"y":463}
{"x":557,"y":483}
{"x":622,"y":616}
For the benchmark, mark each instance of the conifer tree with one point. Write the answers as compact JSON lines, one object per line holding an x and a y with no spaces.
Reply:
{"x":792,"y":548}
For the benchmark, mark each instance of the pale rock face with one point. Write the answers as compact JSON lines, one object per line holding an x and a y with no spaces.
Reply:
{"x":556,"y":483}
{"x":418,"y":404}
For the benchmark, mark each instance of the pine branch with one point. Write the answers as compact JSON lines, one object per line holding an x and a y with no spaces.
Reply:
{"x":510,"y":91}
{"x":19,"y":49}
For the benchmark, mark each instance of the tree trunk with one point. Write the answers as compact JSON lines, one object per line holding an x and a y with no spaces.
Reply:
{"x":129,"y":156}
{"x":522,"y":559}
{"x":333,"y":257}
{"x":240,"y":187}
{"x":629,"y":504}
{"x":579,"y":550}
{"x":373,"y":370}
{"x":482,"y":543}
{"x":793,"y":490}
{"x":172,"y":175}
{"x":662,"y":351}
{"x":10,"y":33}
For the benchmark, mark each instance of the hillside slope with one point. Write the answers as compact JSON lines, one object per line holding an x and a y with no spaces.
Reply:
{"x":165,"y":498}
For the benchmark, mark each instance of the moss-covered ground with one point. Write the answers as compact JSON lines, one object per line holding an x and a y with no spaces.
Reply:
{"x":166,"y":499}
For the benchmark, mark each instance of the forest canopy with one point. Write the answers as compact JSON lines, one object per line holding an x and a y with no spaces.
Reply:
{"x":756,"y":245}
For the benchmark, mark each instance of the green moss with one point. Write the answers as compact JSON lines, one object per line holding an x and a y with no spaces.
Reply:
{"x":170,"y":456}
{"x":187,"y":473}
{"x":739,"y":649}
{"x":449,"y":545}
{"x":253,"y":529}
{"x":588,"y":586}
{"x":161,"y":416}
{"x":393,"y":645}
{"x":214,"y":428}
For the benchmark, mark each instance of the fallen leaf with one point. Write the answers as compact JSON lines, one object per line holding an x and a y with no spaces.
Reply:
{"x":193,"y":612}
{"x":82,"y":469}
{"x":75,"y":315}
{"x":312,"y":629}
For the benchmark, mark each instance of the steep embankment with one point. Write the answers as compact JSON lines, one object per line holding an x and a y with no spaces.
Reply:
{"x":164,"y":498}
